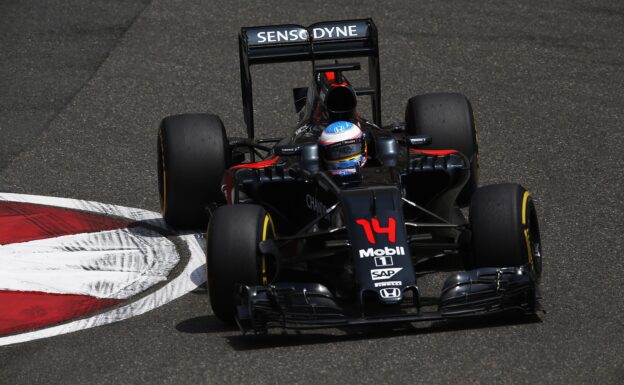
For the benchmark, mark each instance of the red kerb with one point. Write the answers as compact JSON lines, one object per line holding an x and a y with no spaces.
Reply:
{"x":23,"y":222}
{"x":26,"y":310}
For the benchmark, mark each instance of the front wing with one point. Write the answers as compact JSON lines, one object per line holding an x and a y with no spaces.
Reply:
{"x":312,"y":306}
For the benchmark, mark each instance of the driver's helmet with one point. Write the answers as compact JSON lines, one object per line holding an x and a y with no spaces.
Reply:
{"x":343,"y":148}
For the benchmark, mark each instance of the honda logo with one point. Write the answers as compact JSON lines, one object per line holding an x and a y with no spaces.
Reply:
{"x":392,"y":292}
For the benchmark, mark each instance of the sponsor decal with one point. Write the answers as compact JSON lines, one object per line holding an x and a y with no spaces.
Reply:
{"x":281,"y":36}
{"x":392,"y":292}
{"x":383,"y":261}
{"x":377,"y":274}
{"x":373,"y":226}
{"x":339,"y":127}
{"x":315,"y":205}
{"x":70,"y":264}
{"x":334,"y":32}
{"x":386,"y":251}
{"x":388,"y":283}
{"x":297,"y":34}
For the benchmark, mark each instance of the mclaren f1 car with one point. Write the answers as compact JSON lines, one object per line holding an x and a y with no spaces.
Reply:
{"x":334,"y":224}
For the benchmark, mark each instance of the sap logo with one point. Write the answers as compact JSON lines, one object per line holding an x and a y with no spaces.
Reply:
{"x":315,"y":205}
{"x":283,"y":35}
{"x":335,"y":32}
{"x":392,"y":292}
{"x":377,"y":274}
{"x":389,"y":283}
{"x":386,"y":251}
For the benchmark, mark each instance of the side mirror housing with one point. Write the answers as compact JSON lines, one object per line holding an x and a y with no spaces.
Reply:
{"x":388,"y":151}
{"x":309,"y":157}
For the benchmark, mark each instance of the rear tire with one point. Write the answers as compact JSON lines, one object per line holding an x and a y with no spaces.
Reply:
{"x":193,"y":153}
{"x":505,"y":230}
{"x":449,"y":120}
{"x":233,"y":256}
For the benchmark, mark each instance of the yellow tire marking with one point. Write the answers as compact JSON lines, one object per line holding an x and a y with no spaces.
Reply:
{"x":265,"y":227}
{"x":525,"y":199}
{"x":527,"y":236}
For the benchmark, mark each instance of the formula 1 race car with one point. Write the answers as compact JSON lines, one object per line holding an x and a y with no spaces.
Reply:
{"x":332,"y":225}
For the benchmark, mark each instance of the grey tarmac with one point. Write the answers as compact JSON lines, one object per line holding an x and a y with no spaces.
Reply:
{"x":546,"y":81}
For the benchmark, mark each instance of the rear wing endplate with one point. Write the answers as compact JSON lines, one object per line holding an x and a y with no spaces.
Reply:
{"x":319,"y":41}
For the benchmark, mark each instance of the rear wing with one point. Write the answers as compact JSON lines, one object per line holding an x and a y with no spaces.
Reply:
{"x":324,"y":40}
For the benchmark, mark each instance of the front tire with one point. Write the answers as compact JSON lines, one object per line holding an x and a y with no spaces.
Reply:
{"x":232,"y":254}
{"x":193,"y":153}
{"x":449,"y":120}
{"x":505,"y":230}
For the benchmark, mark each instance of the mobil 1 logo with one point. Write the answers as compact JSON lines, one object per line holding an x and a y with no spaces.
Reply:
{"x":385,"y":252}
{"x":384,"y":261}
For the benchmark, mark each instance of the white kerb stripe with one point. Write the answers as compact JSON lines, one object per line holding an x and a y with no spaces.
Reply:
{"x":109,"y":264}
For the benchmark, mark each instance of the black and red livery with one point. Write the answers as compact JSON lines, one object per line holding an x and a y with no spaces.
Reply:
{"x":290,"y":245}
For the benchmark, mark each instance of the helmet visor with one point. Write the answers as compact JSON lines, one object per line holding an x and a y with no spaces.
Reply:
{"x":344,"y":150}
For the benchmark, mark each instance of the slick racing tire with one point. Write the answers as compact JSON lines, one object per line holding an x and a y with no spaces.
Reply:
{"x":448,"y":119}
{"x":193,"y":153}
{"x":505,"y":230}
{"x":233,"y":255}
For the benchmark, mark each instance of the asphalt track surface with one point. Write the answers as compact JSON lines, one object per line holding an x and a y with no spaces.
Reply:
{"x":85,"y":83}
